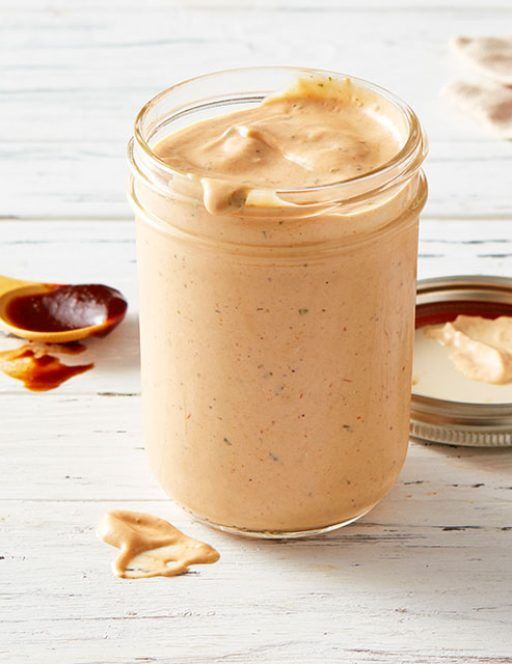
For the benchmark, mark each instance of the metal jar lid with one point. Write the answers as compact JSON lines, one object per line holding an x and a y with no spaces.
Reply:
{"x":457,"y":422}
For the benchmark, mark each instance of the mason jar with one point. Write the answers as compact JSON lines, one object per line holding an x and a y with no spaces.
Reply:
{"x":276,"y":337}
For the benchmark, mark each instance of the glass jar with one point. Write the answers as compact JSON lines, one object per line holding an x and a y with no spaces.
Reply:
{"x":276,"y":338}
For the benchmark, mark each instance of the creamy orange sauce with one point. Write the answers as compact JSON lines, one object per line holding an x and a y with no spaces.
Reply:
{"x":150,"y":546}
{"x":319,"y":131}
{"x":277,"y":342}
{"x":481,"y":348}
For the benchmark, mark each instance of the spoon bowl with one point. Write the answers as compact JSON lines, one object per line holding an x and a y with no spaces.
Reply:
{"x":55,"y":313}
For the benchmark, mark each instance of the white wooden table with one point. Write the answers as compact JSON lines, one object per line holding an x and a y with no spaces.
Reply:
{"x":426,"y":577}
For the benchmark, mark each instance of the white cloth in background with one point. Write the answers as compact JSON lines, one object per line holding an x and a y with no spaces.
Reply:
{"x":489,"y":104}
{"x":491,"y":56}
{"x":488,"y":99}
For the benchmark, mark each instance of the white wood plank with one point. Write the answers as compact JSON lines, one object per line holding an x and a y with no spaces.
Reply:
{"x":433,"y":557}
{"x":97,"y":251}
{"x":425,"y":578}
{"x":69,"y":179}
{"x":73,"y":75}
{"x":431,"y":560}
{"x":249,"y":5}
{"x":83,"y":73}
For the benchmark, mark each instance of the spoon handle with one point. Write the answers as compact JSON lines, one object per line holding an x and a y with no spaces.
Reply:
{"x":7,"y":284}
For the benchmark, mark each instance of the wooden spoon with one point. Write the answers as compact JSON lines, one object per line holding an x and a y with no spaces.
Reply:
{"x":57,"y":313}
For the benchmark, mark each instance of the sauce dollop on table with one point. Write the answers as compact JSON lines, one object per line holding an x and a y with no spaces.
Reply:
{"x":150,"y":546}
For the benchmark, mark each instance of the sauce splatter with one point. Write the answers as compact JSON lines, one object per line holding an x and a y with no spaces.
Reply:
{"x":64,"y":308}
{"x":148,"y":544}
{"x":38,"y":370}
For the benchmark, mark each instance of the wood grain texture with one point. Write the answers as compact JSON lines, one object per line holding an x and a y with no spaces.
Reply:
{"x":73,"y":75}
{"x":69,"y":179}
{"x":86,"y":251}
{"x":432,"y":560}
{"x":424,"y":578}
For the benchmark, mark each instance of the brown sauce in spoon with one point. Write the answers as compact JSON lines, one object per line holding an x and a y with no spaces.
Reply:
{"x":59,"y":309}
{"x":66,"y":308}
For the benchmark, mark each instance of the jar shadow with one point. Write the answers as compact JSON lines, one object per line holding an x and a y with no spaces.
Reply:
{"x":420,"y":547}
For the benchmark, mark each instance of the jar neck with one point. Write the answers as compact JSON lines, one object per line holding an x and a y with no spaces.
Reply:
{"x":221,"y":93}
{"x":290,"y":240}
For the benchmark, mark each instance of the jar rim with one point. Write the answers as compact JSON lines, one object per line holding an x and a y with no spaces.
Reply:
{"x":408,"y":158}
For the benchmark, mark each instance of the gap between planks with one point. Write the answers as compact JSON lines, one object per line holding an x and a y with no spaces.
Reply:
{"x":507,"y":217}
{"x":295,"y":6}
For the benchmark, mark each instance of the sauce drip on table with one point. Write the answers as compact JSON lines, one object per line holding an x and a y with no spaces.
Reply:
{"x":37,"y":369}
{"x":67,"y":308}
{"x":148,"y":544}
